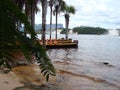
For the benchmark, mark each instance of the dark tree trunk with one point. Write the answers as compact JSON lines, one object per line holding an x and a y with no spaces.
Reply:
{"x":67,"y":24}
{"x":32,"y":18}
{"x":56,"y":26}
{"x":27,"y":14}
{"x":50,"y":21}
{"x":56,"y":14}
{"x":44,"y":12}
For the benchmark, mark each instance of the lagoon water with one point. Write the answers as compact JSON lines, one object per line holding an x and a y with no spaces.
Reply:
{"x":97,"y":58}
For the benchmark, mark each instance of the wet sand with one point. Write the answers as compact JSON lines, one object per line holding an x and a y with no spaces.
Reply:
{"x":9,"y":81}
{"x":72,"y":79}
{"x":30,"y":78}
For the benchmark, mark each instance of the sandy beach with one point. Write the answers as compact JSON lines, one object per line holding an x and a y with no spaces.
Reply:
{"x":30,"y":78}
{"x":23,"y":77}
{"x":9,"y":81}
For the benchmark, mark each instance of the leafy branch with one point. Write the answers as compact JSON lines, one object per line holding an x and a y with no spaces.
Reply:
{"x":12,"y":40}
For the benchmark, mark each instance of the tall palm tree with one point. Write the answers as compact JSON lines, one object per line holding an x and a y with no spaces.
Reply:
{"x":51,"y":2}
{"x":59,"y":4}
{"x":20,"y":4}
{"x":44,"y":12}
{"x":30,"y":9}
{"x":68,"y":10}
{"x":56,"y":14}
{"x":33,"y":10}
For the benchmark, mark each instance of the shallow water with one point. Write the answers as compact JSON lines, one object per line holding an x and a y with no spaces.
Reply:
{"x":90,"y":58}
{"x":94,"y":65}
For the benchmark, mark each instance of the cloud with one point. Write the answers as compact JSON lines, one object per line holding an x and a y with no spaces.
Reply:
{"x":103,"y":13}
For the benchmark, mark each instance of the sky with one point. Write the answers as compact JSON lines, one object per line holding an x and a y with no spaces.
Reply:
{"x":94,"y":13}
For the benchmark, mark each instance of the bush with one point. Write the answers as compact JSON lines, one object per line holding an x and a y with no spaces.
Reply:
{"x":89,"y":30}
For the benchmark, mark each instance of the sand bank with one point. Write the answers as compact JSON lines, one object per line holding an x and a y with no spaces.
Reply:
{"x":9,"y":81}
{"x":30,"y":78}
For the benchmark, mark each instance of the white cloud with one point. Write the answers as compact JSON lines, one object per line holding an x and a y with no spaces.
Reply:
{"x":103,"y":13}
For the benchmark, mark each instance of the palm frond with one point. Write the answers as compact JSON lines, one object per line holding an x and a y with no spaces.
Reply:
{"x":12,"y":40}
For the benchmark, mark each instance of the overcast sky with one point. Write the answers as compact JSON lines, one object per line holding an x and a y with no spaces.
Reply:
{"x":96,"y":13}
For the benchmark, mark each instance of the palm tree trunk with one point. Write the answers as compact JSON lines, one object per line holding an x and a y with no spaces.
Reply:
{"x":32,"y":18}
{"x":27,"y":14}
{"x":50,"y":21}
{"x":44,"y":12}
{"x":56,"y":24}
{"x":67,"y":24}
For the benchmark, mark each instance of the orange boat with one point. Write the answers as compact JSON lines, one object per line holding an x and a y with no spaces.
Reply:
{"x":61,"y":43}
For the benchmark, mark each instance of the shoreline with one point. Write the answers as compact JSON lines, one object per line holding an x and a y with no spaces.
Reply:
{"x":29,"y":78}
{"x":9,"y":81}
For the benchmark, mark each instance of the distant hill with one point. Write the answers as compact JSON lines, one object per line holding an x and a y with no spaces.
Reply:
{"x":39,"y":27}
{"x":90,"y":30}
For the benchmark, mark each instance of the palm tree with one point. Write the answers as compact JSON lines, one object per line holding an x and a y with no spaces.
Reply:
{"x":44,"y":12}
{"x":30,"y":9}
{"x":33,"y":10}
{"x":51,"y":2}
{"x":59,"y":4}
{"x":56,"y":14}
{"x":68,"y":10}
{"x":20,"y":4}
{"x":12,"y":40}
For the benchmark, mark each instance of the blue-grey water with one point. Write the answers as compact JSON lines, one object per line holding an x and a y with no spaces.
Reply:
{"x":91,"y":56}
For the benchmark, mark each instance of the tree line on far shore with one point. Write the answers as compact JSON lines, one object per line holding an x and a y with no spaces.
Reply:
{"x":88,"y":30}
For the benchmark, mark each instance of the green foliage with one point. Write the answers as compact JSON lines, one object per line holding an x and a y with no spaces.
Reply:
{"x":63,"y":31}
{"x":45,"y":63}
{"x":70,"y":9}
{"x":76,"y":29}
{"x":89,"y":30}
{"x":12,"y":40}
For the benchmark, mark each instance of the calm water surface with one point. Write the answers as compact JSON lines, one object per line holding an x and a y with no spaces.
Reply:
{"x":97,"y":48}
{"x":90,"y":57}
